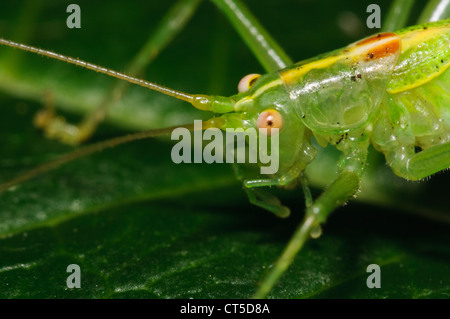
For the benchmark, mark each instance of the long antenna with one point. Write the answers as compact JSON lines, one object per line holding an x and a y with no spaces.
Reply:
{"x":96,"y":147}
{"x":217,"y":104}
{"x":150,"y":85}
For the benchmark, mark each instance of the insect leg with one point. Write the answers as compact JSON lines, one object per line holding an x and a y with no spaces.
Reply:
{"x":267,"y":201}
{"x":345,"y":186}
{"x":415,"y":166}
{"x":306,"y":190}
{"x":169,"y":27}
{"x":271,"y":203}
{"x":268,"y":52}
{"x":85,"y":151}
{"x":434,"y":11}
{"x":260,"y":197}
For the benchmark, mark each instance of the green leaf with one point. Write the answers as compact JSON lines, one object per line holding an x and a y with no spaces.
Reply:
{"x":140,"y":226}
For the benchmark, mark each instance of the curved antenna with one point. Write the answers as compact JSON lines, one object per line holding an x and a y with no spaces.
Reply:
{"x":218,"y":104}
{"x":97,"y":147}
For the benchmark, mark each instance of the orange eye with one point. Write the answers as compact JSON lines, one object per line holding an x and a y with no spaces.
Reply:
{"x":247,"y":82}
{"x":270,"y":119}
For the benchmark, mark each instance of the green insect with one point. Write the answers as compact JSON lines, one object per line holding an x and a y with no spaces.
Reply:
{"x":390,"y":90}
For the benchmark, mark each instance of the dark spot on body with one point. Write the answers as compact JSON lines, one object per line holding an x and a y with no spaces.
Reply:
{"x":391,"y":47}
{"x":269,"y":123}
{"x":252,"y":81}
{"x":379,"y":35}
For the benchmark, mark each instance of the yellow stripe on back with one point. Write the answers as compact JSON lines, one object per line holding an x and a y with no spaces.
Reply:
{"x":369,"y":49}
{"x":297,"y":72}
{"x":425,"y":56}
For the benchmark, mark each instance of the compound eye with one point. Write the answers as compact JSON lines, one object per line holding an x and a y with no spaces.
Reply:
{"x":270,"y":119}
{"x":247,"y":82}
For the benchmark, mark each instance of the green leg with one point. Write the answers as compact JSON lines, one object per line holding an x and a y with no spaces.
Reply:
{"x":271,"y":56}
{"x":267,"y":201}
{"x":398,"y":15}
{"x":434,"y":11}
{"x":415,"y":166}
{"x":260,"y":197}
{"x":271,"y":203}
{"x":170,"y":26}
{"x":306,"y":191}
{"x":342,"y":189}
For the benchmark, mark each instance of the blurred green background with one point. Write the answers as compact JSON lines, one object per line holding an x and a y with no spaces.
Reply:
{"x":140,"y":226}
